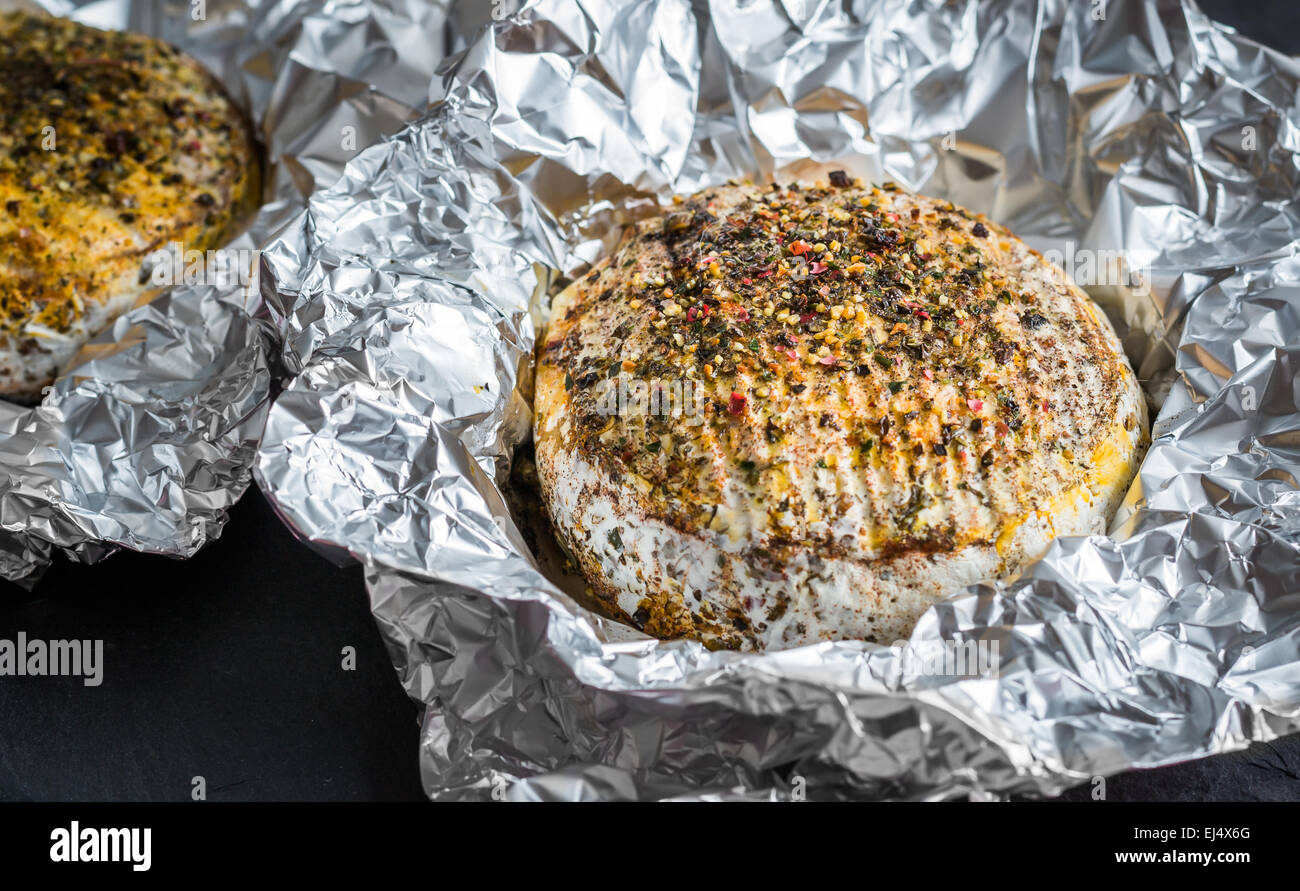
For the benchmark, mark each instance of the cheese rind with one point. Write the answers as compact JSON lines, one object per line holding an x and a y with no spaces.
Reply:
{"x":114,"y":146}
{"x":868,"y":400}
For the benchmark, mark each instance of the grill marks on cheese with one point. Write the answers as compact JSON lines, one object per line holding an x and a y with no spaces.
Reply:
{"x":885,"y":373}
{"x":147,"y":150}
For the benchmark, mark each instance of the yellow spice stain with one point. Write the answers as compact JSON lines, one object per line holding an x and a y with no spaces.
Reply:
{"x":1108,"y":469}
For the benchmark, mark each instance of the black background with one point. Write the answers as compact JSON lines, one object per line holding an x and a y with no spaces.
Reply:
{"x":229,"y":666}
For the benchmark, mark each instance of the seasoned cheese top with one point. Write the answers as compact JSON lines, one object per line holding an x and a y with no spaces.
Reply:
{"x":111,"y":146}
{"x":857,"y":369}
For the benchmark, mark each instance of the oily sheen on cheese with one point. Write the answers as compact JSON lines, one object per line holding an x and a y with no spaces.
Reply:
{"x":894,"y":398}
{"x":112,"y":146}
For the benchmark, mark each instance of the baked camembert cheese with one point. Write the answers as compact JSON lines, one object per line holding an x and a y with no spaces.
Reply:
{"x":112,"y":146}
{"x":779,"y":414}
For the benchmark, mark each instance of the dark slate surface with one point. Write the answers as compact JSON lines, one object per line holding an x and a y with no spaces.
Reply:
{"x":229,"y":666}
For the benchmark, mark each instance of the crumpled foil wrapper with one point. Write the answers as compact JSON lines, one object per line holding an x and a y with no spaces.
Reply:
{"x":149,"y":435}
{"x":408,"y":289}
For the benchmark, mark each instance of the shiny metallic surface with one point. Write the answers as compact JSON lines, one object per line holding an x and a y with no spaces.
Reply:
{"x":407,"y":293}
{"x":149,"y":435}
